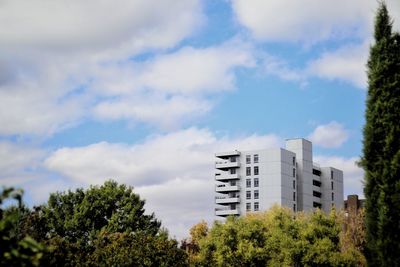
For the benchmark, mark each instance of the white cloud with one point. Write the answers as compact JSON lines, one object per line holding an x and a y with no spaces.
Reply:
{"x":79,"y":25}
{"x":329,"y":135}
{"x":307,"y":21}
{"x":352,"y":174}
{"x":347,"y":63}
{"x":276,"y":66}
{"x":174,"y":172}
{"x":20,"y":164}
{"x":52,"y":49}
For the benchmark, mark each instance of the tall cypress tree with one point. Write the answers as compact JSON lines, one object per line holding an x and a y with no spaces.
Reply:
{"x":381,"y":151}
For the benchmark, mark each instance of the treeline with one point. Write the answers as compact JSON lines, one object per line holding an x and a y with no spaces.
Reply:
{"x":107,"y":225}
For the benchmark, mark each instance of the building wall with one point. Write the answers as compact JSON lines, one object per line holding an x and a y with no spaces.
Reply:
{"x":285,"y":177}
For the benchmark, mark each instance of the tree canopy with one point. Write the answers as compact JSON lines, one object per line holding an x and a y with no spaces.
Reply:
{"x":104,"y":225}
{"x":277,"y":237}
{"x":381,"y":145}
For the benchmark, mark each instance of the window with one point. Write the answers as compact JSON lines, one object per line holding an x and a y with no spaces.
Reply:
{"x":248,"y":194}
{"x":255,"y":170}
{"x":294,"y":207}
{"x":331,"y":175}
{"x":256,"y":206}
{"x":255,"y":194}
{"x":248,"y":159}
{"x":316,"y":172}
{"x":255,"y":182}
{"x":294,"y":161}
{"x":294,"y":196}
{"x":333,"y":196}
{"x":317,"y":205}
{"x":316,"y":194}
{"x":316,"y":183}
{"x":255,"y":159}
{"x":233,"y":183}
{"x":294,"y":184}
{"x":233,"y":159}
{"x":294,"y":172}
{"x":233,"y":171}
{"x":248,"y":206}
{"x":248,"y":171}
{"x":248,"y":183}
{"x":332,"y":185}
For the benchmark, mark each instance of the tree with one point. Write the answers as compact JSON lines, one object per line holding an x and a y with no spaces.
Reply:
{"x":101,"y":225}
{"x":381,"y":145}
{"x":16,"y":249}
{"x":277,"y":237}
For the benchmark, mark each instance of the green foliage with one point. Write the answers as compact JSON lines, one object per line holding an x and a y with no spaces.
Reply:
{"x":277,"y":238}
{"x":381,"y":145}
{"x":16,"y":249}
{"x":127,"y":249}
{"x":103,"y":225}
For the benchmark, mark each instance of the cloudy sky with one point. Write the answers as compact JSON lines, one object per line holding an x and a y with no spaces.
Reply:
{"x":146,"y":91}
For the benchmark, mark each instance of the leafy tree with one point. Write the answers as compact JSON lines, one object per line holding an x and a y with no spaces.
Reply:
{"x":137,"y":249}
{"x":192,"y":245}
{"x":381,"y":145}
{"x":101,"y":225}
{"x":16,"y":249}
{"x":277,"y":237}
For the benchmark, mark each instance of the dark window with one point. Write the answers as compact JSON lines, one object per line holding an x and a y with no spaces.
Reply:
{"x":255,"y":159}
{"x":294,"y":172}
{"x":233,"y":159}
{"x":248,"y":159}
{"x":255,"y":194}
{"x":316,"y":194}
{"x":333,"y":196}
{"x":316,"y":183}
{"x":248,"y":183}
{"x":332,"y":185}
{"x":294,"y":207}
{"x":332,"y":175}
{"x":248,"y":171}
{"x":248,"y":194}
{"x":316,"y":172}
{"x":233,"y":171}
{"x":255,"y":182}
{"x":317,"y":205}
{"x":294,"y":184}
{"x":256,"y":206}
{"x":255,"y":170}
{"x":294,"y":161}
{"x":294,"y":196}
{"x":248,"y":206}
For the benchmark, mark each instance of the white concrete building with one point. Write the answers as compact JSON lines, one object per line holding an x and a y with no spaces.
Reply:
{"x":248,"y":181}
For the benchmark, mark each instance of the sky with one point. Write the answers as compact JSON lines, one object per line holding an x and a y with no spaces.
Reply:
{"x":146,"y":91}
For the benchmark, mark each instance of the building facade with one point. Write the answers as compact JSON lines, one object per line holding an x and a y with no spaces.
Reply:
{"x":250,"y":181}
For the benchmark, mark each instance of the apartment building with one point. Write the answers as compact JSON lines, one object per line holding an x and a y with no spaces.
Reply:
{"x":250,"y":181}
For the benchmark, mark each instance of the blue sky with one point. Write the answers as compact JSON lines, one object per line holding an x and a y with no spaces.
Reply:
{"x":145,"y":92}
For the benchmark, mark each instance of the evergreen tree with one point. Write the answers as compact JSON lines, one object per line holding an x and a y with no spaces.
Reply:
{"x":381,"y":151}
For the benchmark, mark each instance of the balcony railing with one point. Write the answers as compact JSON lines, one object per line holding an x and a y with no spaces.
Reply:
{"x":226,"y":164}
{"x":226,"y":211}
{"x":226,"y":188}
{"x":227,"y":176}
{"x":227,"y":200}
{"x":225,"y":155}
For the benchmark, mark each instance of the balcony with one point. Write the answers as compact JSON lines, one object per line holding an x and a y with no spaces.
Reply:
{"x":226,"y":155}
{"x":226,"y":188}
{"x":227,"y":200}
{"x":226,"y":212}
{"x":227,"y":176}
{"x":226,"y":165}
